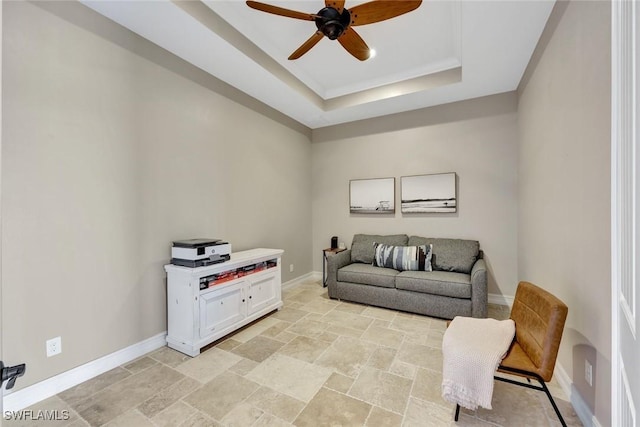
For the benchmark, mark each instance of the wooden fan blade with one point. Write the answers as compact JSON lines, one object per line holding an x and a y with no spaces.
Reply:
{"x":380,"y":10}
{"x":280,"y":11}
{"x":354,"y":44}
{"x":306,"y":46}
{"x":336,"y":4}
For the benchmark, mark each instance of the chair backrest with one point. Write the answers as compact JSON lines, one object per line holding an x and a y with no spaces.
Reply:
{"x":539,"y":317}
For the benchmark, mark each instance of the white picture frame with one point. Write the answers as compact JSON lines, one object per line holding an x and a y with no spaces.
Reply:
{"x":433,"y":193}
{"x":372,"y":196}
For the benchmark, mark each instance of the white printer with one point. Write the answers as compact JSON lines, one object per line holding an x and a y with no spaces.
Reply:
{"x":200,"y":252}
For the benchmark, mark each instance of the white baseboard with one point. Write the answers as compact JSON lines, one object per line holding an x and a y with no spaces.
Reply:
{"x":582,"y":410}
{"x":500,"y":299}
{"x":564,"y":381}
{"x":579,"y":405}
{"x":314,"y":275}
{"x":23,"y":398}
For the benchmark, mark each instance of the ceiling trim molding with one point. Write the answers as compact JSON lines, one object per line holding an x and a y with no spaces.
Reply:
{"x":210,"y":19}
{"x":214,"y":22}
{"x":485,"y":106}
{"x":392,"y":90}
{"x":247,"y":50}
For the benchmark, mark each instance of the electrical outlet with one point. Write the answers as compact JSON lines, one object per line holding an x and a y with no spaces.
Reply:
{"x":290,"y":268}
{"x":54,"y":346}
{"x":588,"y":372}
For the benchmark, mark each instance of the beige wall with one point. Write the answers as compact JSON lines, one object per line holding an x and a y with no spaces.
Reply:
{"x":112,"y":149}
{"x":476,"y":139}
{"x":108,"y":156}
{"x":564,"y":186}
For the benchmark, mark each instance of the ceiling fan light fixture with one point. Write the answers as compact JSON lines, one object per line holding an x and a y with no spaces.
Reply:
{"x":332,"y":29}
{"x":332,"y":23}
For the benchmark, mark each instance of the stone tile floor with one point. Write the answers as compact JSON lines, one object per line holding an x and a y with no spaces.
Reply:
{"x":315,"y":362}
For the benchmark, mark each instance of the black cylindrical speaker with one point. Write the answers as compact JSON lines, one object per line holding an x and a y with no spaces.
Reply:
{"x":334,"y":242}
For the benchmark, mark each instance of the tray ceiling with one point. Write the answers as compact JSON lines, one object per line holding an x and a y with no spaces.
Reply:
{"x":442,"y":52}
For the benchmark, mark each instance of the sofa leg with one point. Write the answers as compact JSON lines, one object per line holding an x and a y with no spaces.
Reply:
{"x":457,"y":413}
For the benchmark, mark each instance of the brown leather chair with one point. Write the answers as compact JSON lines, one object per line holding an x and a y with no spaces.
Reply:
{"x":539,"y":318}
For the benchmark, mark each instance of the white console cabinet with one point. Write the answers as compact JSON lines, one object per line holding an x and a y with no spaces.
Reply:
{"x":206,"y":303}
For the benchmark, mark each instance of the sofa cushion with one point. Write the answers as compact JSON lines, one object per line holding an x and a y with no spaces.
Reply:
{"x":444,"y":283}
{"x":450,"y":254}
{"x":362,"y":246}
{"x":414,"y":258}
{"x":366,"y":274}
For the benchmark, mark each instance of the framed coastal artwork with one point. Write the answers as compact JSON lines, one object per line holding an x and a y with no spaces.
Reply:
{"x":372,"y":196}
{"x":429,"y":193}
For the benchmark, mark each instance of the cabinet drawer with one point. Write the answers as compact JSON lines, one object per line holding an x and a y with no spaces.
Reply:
{"x":221,"y":308}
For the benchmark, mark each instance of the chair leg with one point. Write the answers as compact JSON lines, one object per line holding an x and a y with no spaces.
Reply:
{"x":553,"y":403}
{"x":542,"y":387}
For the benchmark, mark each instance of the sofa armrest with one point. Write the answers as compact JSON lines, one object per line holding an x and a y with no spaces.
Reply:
{"x":334,"y":263}
{"x":479,"y":292}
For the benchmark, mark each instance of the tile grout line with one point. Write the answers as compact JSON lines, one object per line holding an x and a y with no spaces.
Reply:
{"x":316,"y":301}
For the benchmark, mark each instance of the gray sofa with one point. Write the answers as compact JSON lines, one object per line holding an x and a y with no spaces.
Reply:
{"x":457,"y":286}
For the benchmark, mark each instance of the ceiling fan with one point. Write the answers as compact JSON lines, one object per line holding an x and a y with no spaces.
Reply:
{"x":335,"y":21}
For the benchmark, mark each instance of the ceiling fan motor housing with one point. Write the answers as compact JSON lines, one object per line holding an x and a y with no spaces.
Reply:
{"x":333,"y":23}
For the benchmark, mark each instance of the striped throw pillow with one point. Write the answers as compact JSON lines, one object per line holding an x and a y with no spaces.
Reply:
{"x":415,"y":258}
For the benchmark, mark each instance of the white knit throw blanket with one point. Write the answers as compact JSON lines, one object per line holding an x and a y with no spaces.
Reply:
{"x":472,"y":351}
